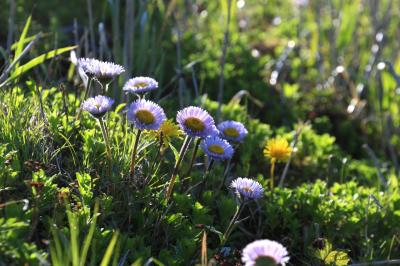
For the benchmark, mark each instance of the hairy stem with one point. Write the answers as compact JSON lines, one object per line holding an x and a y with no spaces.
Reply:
{"x":87,"y":89}
{"x":107,"y":142}
{"x":205,"y":178}
{"x":182,"y":152}
{"x":272,"y":173}
{"x":232,"y":223}
{"x":196,"y":148}
{"x":134,"y":151}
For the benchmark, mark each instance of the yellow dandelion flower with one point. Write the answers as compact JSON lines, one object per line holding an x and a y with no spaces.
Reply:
{"x":167,"y":130}
{"x":277,"y":149}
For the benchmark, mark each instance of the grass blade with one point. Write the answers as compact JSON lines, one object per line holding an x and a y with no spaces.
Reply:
{"x":107,"y":256}
{"x":37,"y":61}
{"x":88,"y":238}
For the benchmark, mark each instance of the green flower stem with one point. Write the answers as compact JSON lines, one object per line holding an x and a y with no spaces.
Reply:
{"x":205,"y":178}
{"x":272,"y":173}
{"x":107,"y":142}
{"x":87,"y":90}
{"x":196,"y":148}
{"x":182,"y":152}
{"x":134,"y":151}
{"x":232,"y":223}
{"x":104,"y":87}
{"x":226,"y":170}
{"x":157,"y":158}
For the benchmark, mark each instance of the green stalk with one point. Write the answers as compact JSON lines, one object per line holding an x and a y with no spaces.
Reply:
{"x":87,"y":90}
{"x":232,"y":223}
{"x":182,"y":152}
{"x":205,"y":178}
{"x":196,"y":148}
{"x":107,"y":142}
{"x":272,"y":173}
{"x":227,"y":166}
{"x":134,"y":151}
{"x":157,"y":158}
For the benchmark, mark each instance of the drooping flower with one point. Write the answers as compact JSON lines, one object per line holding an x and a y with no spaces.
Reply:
{"x":196,"y":122}
{"x":140,"y":84}
{"x":217,"y":148}
{"x":146,"y":115}
{"x":98,"y":105}
{"x":247,"y":188}
{"x":265,"y":252}
{"x":277,"y":149}
{"x":232,"y":130}
{"x":105,"y":72}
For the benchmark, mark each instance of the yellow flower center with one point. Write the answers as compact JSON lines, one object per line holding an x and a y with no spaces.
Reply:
{"x":141,"y":84}
{"x":97,"y":105}
{"x":216,"y":149}
{"x":231,"y":132}
{"x":194,"y":124}
{"x":145,"y":116}
{"x":247,"y":189}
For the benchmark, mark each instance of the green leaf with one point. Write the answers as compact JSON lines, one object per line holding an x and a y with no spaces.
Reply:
{"x":175,"y":151}
{"x":337,"y":258}
{"x":88,"y":238}
{"x":120,"y":107}
{"x":107,"y":256}
{"x":26,"y":40}
{"x":74,"y":236}
{"x":349,"y":21}
{"x":37,"y":61}
{"x":20,"y":43}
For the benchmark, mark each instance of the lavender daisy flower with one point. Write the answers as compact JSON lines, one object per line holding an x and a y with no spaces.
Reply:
{"x":98,"y":105}
{"x":217,"y":148}
{"x":232,"y":130}
{"x":196,"y":122}
{"x":265,"y":252}
{"x":140,"y":84}
{"x":247,"y":188}
{"x":105,"y":72}
{"x":146,"y":115}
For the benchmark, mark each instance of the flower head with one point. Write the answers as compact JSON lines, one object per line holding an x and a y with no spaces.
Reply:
{"x":103,"y":71}
{"x":247,"y":188}
{"x":146,"y":115}
{"x":196,"y":122}
{"x":98,"y":105}
{"x":167,"y":130}
{"x":232,"y":130}
{"x":217,"y":148}
{"x":140,"y":84}
{"x":277,"y":149}
{"x":267,"y":251}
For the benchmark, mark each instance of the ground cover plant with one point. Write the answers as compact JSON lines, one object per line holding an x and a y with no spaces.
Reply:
{"x":199,"y":132}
